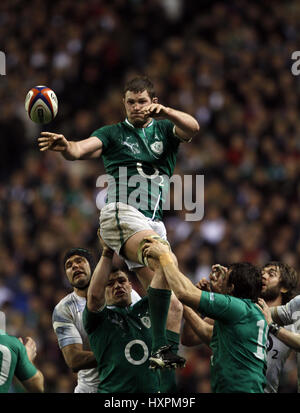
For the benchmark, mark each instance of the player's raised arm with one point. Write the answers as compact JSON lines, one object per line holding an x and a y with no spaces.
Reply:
{"x":195,"y":330}
{"x":182,"y":287}
{"x":35,"y":383}
{"x":96,"y":291}
{"x":85,"y":149}
{"x":186,"y":126}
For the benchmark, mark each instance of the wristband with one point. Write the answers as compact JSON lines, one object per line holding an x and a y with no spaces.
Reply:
{"x":108,"y":253}
{"x":274,"y":328}
{"x":165,"y":259}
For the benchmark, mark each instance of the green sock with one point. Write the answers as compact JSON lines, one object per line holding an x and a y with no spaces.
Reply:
{"x":159,"y":302}
{"x":168,"y":383}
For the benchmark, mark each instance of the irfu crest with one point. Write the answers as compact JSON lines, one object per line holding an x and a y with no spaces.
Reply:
{"x":157,"y":147}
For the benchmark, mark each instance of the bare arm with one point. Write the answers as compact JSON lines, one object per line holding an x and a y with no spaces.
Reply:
{"x":196,"y":330}
{"x":186,"y":126}
{"x":270,"y":313}
{"x":77,"y":358}
{"x":96,"y":290}
{"x":182,"y":287}
{"x":85,"y":149}
{"x":289,"y":338}
{"x":35,"y":384}
{"x":275,"y":316}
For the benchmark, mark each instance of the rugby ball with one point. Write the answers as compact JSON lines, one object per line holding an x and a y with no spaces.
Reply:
{"x":41,"y":104}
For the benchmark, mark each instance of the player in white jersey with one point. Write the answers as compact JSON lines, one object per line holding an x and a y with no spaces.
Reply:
{"x":67,"y":321}
{"x":279,"y":282}
{"x":279,"y":285}
{"x":282,"y":316}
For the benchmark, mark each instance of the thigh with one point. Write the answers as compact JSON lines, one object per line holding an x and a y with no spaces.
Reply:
{"x":131,"y":246}
{"x":119,"y":222}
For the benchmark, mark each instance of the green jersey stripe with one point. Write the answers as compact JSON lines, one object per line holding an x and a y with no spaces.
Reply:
{"x":118,"y":224}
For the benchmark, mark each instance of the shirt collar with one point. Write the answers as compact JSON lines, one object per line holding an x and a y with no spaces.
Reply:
{"x":130,"y":124}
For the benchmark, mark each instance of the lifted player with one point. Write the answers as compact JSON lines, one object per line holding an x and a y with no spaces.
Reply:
{"x":146,"y":146}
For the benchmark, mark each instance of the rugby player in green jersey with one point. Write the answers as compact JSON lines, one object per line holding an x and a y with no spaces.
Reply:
{"x":239,"y":339}
{"x":120,"y":333}
{"x":16,"y":359}
{"x":139,"y":156}
{"x":279,"y":285}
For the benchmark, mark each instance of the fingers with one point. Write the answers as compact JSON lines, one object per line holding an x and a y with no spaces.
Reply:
{"x":149,"y":239}
{"x":262,"y":303}
{"x":147,"y":242}
{"x":47,"y":139}
{"x":47,"y":133}
{"x":44,"y":145}
{"x":145,"y":249}
{"x":153,"y":109}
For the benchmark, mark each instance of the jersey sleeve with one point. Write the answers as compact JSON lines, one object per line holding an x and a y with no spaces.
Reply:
{"x":91,"y":320}
{"x":24,"y":368}
{"x":289,"y":312}
{"x":220,"y":307}
{"x":105,"y":136}
{"x":170,"y":131}
{"x":64,"y":327}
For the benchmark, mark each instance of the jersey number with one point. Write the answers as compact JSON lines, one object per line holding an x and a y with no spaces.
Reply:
{"x":260,"y":349}
{"x":128,"y":355}
{"x":5,"y":364}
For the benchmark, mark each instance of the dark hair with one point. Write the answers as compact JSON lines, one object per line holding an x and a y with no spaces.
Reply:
{"x":288,"y":279}
{"x":83,"y":253}
{"x":116,"y":270}
{"x":139,"y":84}
{"x":247,"y":280}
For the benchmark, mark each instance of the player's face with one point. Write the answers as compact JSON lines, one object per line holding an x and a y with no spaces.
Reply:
{"x":134,"y":104}
{"x":78,"y":271}
{"x":270,"y":283}
{"x":118,"y":290}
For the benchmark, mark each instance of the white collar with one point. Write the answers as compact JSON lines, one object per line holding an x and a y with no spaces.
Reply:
{"x":130,"y":124}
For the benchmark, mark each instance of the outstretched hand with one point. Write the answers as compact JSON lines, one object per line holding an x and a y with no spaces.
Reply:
{"x":52,"y":141}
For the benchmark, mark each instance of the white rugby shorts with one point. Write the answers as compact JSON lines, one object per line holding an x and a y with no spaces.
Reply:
{"x":86,"y":388}
{"x":119,"y":221}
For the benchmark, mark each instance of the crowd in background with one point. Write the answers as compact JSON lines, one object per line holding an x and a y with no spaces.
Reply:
{"x":226,"y":63}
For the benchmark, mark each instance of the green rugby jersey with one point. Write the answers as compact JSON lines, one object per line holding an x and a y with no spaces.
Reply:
{"x":139,"y":162}
{"x":239,"y":340}
{"x":121,"y":340}
{"x":13,"y":361}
